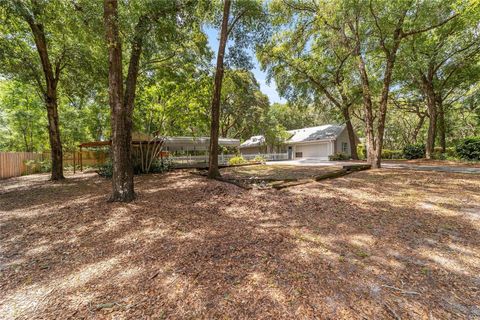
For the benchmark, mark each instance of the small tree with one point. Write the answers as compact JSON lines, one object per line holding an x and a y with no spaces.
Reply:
{"x":149,"y":152}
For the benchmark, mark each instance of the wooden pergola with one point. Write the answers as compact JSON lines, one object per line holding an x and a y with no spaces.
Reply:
{"x":91,"y":144}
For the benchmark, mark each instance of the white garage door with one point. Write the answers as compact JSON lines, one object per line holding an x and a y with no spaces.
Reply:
{"x":319,"y":150}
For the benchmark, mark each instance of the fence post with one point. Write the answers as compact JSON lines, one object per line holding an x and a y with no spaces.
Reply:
{"x":81,"y":159}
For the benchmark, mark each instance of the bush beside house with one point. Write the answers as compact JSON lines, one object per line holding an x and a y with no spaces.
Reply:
{"x":414,"y":151}
{"x":236,"y":161}
{"x":469,"y":149}
{"x":338,"y":157}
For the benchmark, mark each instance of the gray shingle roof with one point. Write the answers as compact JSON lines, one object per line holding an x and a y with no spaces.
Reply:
{"x":253,"y":141}
{"x":324,"y":132}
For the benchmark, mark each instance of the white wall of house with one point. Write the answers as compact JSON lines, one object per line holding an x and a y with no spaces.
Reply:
{"x":314,"y":149}
{"x":343,"y":143}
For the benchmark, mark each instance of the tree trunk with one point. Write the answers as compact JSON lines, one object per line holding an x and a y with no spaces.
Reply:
{"x":376,"y":143}
{"x":432,"y":113}
{"x":441,"y":123}
{"x":122,"y":178}
{"x":417,"y":129}
{"x":50,"y":96}
{"x":387,"y":79}
{"x":382,"y":113}
{"x":213,"y":171}
{"x":351,"y":133}
{"x":54,"y":136}
{"x":367,"y":105}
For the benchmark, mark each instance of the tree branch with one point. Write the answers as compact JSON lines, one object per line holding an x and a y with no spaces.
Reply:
{"x":235,"y":20}
{"x":412,"y":32}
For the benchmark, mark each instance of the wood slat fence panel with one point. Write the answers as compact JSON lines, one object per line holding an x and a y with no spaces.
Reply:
{"x":13,"y":164}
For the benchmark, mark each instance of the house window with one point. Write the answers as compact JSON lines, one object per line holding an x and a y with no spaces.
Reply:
{"x":298,"y":154}
{"x":344,"y":147}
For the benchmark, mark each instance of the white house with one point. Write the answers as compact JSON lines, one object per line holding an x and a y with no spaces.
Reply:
{"x":314,"y":142}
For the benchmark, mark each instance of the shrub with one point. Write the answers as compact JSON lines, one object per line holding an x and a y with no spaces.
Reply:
{"x":451,"y":152}
{"x":38,"y":166}
{"x":469,"y":148}
{"x":338,"y":157}
{"x":162,"y":165}
{"x":137,"y":167}
{"x":158,"y":166}
{"x":259,"y":158}
{"x":414,"y":151}
{"x":236,"y":160}
{"x":105,"y":170}
{"x":448,"y":154}
{"x":361,"y":151}
{"x":439,"y":156}
{"x":392,"y":154}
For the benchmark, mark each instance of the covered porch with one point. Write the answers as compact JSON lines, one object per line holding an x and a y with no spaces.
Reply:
{"x":182,"y":151}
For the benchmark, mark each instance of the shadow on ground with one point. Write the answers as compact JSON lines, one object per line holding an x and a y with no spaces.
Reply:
{"x":378,"y":244}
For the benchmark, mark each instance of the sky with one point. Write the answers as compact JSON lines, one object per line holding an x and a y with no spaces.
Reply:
{"x":269,"y":89}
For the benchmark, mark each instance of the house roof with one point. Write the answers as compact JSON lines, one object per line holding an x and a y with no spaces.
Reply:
{"x":324,"y":132}
{"x":254,"y":141}
{"x":197,"y":143}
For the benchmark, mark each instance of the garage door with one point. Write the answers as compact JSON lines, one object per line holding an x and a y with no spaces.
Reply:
{"x":319,"y":150}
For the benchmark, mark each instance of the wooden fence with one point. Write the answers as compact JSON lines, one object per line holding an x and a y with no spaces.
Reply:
{"x":14,"y":164}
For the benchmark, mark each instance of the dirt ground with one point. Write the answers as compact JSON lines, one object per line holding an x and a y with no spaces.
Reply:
{"x":276,"y":172}
{"x":426,"y":162}
{"x":378,"y":244}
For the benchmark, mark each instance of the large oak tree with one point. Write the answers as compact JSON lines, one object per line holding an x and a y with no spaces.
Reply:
{"x":241,"y":22}
{"x":152,"y":32}
{"x":37,"y":48}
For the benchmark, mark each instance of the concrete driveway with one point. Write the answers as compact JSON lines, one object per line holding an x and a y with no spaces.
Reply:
{"x":386,"y":165}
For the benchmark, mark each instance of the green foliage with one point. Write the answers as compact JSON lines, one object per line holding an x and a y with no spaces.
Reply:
{"x":250,"y":28}
{"x":292,"y":115}
{"x":22,"y":118}
{"x":338,"y":157}
{"x":236,"y":161}
{"x":414,"y":151}
{"x":158,"y":166}
{"x":38,"y":166}
{"x":449,"y":154}
{"x":392,"y":154}
{"x":259,"y":158}
{"x":469,"y":148}
{"x":240,"y":102}
{"x":105,"y":170}
{"x":299,"y":43}
{"x":161,"y":165}
{"x":361,"y":151}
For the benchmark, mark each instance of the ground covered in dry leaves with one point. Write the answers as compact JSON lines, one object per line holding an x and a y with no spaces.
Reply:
{"x":275,"y":172}
{"x":429,"y":162}
{"x":379,"y":244}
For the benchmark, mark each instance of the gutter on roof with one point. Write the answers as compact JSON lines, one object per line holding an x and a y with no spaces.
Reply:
{"x":311,"y":141}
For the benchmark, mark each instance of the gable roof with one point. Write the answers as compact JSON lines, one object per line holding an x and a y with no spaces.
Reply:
{"x":324,"y":132}
{"x":253,"y":141}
